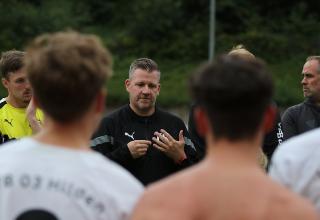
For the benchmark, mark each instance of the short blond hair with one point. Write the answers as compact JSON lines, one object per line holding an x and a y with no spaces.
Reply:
{"x":241,"y":51}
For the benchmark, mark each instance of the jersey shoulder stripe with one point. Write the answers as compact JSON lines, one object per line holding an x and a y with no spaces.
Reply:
{"x":3,"y":102}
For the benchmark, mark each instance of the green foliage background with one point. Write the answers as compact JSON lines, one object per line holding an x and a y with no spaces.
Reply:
{"x":175,"y":34}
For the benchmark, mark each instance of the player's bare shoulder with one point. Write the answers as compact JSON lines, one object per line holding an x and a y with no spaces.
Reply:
{"x":172,"y":193}
{"x":287,"y":205}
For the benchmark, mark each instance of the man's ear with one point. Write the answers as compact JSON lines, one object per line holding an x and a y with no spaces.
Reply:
{"x":5,"y":82}
{"x":159,"y":87}
{"x":127,"y":84}
{"x":201,"y":121}
{"x":269,"y":118}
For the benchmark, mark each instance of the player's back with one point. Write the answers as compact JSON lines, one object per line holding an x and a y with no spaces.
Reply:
{"x":248,"y":196}
{"x":205,"y":193}
{"x":44,"y":180}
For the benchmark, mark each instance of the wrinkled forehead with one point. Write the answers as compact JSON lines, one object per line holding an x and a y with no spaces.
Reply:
{"x":311,"y":66}
{"x":144,"y":75}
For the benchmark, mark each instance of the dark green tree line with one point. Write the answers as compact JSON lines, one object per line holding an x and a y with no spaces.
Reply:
{"x":175,"y":32}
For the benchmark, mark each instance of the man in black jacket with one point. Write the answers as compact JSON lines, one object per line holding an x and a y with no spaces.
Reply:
{"x":147,"y":141}
{"x":305,"y":116}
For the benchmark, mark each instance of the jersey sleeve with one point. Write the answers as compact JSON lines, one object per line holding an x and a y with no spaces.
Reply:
{"x":4,"y":138}
{"x":189,"y":148}
{"x":273,"y":138}
{"x":278,"y":173}
{"x":39,"y":115}
{"x":105,"y":142}
{"x":281,"y":169}
{"x":288,"y":122}
{"x":194,"y":135}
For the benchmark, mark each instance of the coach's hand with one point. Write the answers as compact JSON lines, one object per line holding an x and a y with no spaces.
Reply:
{"x":171,"y":147}
{"x":138,"y":148}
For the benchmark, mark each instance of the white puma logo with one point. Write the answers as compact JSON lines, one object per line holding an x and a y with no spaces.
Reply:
{"x":130,"y":136}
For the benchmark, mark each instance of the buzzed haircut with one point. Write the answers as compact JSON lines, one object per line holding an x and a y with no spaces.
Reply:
{"x":313,"y":58}
{"x":317,"y":58}
{"x":144,"y":64}
{"x":66,"y":71}
{"x":235,"y":93}
{"x":11,"y":61}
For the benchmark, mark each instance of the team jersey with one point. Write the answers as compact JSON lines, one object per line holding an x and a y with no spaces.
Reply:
{"x":41,"y":181}
{"x":296,"y":165}
{"x":13,"y":121}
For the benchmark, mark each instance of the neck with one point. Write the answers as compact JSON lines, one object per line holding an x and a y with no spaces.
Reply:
{"x":15,"y":103}
{"x":317,"y":103}
{"x":314,"y":100}
{"x":146,"y":113}
{"x":235,"y":153}
{"x":73,"y":135}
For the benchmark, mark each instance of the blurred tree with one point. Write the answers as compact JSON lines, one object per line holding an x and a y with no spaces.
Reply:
{"x":175,"y":32}
{"x":23,"y":20}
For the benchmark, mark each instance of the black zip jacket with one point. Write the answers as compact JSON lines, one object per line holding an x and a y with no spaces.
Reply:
{"x":300,"y":118}
{"x":122,"y":126}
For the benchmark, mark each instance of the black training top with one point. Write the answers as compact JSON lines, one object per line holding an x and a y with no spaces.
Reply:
{"x":300,"y":118}
{"x":124,"y":125}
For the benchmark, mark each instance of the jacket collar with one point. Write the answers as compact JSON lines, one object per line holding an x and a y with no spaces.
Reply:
{"x":311,"y":103}
{"x":133,"y":115}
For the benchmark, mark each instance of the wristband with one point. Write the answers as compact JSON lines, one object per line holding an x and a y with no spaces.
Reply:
{"x":181,"y":160}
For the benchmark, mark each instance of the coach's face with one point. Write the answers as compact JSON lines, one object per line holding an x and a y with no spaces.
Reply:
{"x":311,"y":79}
{"x":143,"y":88}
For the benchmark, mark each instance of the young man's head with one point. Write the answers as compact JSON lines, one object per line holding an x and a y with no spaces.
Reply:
{"x":311,"y":78}
{"x":234,"y":94}
{"x":14,"y":78}
{"x":67,"y":71}
{"x":241,"y":51}
{"x":143,"y":86}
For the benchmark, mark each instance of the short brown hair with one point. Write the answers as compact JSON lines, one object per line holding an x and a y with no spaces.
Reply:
{"x":144,"y":64}
{"x":66,"y":71}
{"x":11,"y":61}
{"x":235,"y":93}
